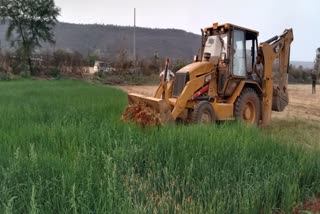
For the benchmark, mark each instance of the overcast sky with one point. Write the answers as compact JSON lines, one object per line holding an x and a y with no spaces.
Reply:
{"x":268,"y":17}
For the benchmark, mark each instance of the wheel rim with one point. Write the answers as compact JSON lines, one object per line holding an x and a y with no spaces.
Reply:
{"x":249,"y":112}
{"x":205,"y":117}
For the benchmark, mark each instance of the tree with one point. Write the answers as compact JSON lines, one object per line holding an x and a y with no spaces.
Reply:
{"x":30,"y":23}
{"x":317,"y":61}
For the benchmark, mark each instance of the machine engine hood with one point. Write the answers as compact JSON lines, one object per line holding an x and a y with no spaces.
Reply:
{"x":198,"y":68}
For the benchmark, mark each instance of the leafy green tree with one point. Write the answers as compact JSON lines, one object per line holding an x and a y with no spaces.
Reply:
{"x":30,"y":23}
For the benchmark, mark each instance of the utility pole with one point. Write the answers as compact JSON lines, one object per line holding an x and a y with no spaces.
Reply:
{"x":134,"y":36}
{"x":3,"y":22}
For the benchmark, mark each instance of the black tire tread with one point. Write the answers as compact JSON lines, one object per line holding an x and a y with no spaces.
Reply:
{"x":247,"y":92}
{"x":200,"y":107}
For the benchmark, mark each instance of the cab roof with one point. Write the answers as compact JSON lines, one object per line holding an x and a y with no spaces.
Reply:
{"x":228,"y":26}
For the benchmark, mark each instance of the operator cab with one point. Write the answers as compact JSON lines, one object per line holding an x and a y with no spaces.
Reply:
{"x":244,"y":47}
{"x":234,"y":49}
{"x":216,"y":45}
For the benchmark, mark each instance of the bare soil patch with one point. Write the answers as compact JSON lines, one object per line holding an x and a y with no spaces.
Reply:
{"x":311,"y":206}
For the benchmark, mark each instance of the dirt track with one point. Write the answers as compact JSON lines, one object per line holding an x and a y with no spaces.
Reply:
{"x":302,"y":104}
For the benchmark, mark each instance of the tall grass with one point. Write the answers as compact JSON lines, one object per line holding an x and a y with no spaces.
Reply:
{"x":64,"y":150}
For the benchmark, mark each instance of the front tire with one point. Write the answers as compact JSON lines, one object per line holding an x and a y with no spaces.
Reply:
{"x":203,"y":113}
{"x":247,"y":107}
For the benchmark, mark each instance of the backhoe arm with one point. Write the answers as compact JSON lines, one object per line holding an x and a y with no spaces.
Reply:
{"x":275,"y":94}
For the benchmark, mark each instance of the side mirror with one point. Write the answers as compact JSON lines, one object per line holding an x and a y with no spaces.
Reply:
{"x":195,"y":58}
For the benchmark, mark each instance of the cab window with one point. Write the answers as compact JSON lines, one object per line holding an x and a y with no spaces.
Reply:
{"x":239,"y":51}
{"x":251,"y":50}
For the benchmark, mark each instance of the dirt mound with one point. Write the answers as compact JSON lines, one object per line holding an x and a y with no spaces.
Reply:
{"x":141,"y":114}
{"x":313,"y":206}
{"x":309,"y":207}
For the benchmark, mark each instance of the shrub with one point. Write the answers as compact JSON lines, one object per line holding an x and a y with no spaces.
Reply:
{"x":56,"y":73}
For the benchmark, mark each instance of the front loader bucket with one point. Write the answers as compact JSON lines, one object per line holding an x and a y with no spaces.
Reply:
{"x":159,"y":106}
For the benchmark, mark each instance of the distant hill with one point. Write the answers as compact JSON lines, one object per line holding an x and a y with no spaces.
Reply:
{"x":109,"y":40}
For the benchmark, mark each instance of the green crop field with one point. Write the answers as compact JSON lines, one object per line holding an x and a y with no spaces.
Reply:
{"x":63,"y":149}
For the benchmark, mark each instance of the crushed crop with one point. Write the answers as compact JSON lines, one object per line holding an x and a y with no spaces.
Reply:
{"x":141,"y":114}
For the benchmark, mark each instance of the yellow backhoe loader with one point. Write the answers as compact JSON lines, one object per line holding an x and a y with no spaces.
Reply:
{"x":220,"y":84}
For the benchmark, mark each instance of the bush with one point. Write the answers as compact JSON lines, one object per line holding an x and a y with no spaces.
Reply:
{"x":4,"y":76}
{"x":56,"y":73}
{"x":299,"y":74}
{"x":99,"y":74}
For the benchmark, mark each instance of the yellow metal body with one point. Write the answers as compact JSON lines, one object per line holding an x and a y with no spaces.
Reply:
{"x":207,"y":72}
{"x":281,"y":49}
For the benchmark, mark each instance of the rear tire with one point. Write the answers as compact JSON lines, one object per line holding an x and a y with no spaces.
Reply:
{"x":203,"y":113}
{"x":247,"y":107}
